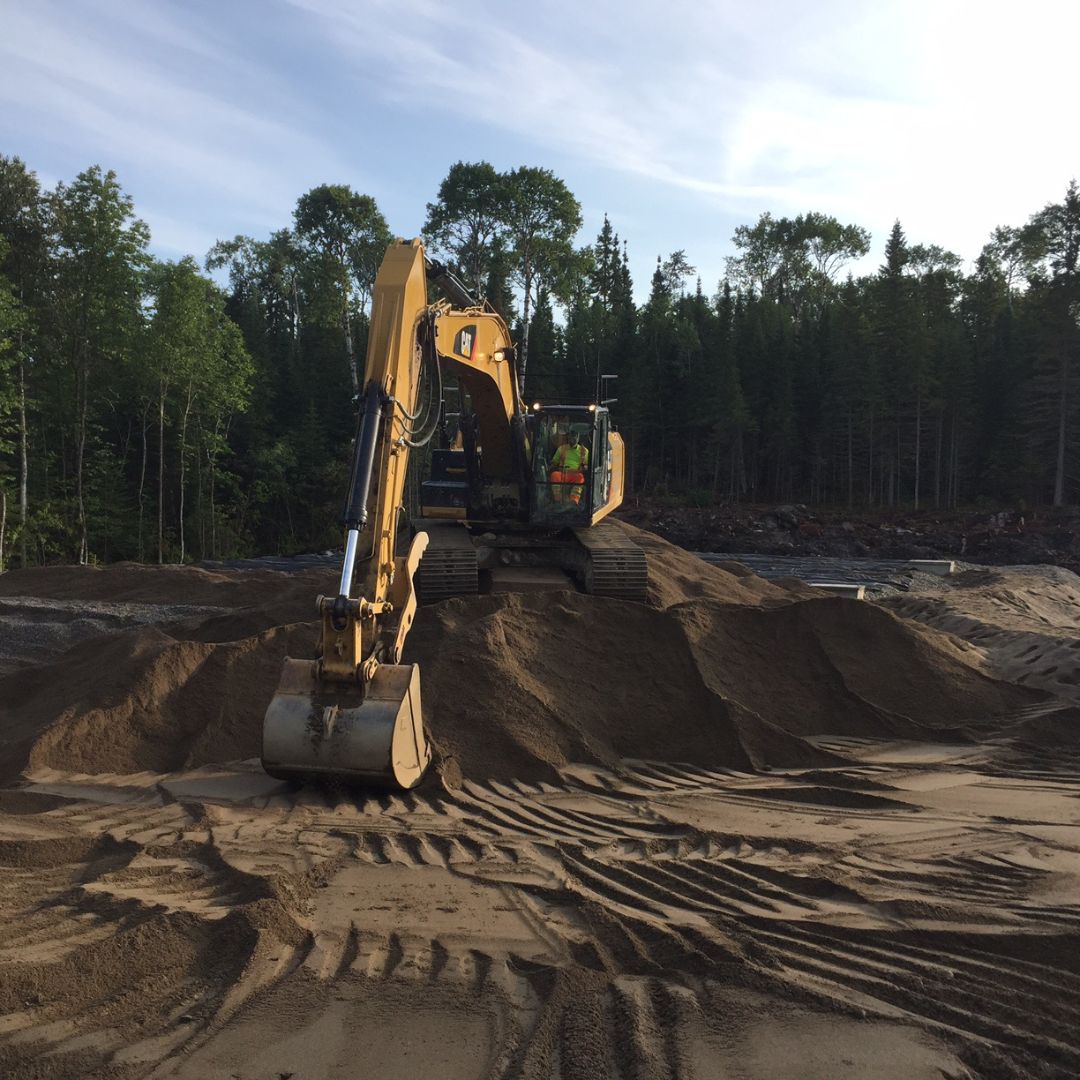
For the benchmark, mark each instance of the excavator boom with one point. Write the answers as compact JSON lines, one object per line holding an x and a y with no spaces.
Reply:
{"x":354,"y":714}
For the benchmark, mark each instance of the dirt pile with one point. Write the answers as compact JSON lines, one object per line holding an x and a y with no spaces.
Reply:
{"x":164,"y":584}
{"x":143,"y":700}
{"x":675,"y":915}
{"x":1003,"y":537}
{"x":723,"y":669}
{"x":185,"y":691}
{"x":520,"y":686}
{"x":1021,"y":619}
{"x":676,"y":575}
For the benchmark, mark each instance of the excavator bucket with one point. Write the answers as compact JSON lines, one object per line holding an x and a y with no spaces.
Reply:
{"x":372,"y":736}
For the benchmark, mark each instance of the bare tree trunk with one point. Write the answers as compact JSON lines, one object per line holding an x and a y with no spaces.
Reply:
{"x":739,"y":452}
{"x":142,"y":477}
{"x":523,"y":352}
{"x":183,"y":454}
{"x":1059,"y":471}
{"x":213,"y":507}
{"x":200,"y":509}
{"x":896,"y":492}
{"x":161,"y":476}
{"x":918,"y":444}
{"x":937,"y":460}
{"x":954,"y":458}
{"x":850,"y":463}
{"x":3,"y":525}
{"x":870,"y":462}
{"x":24,"y":463}
{"x":80,"y":457}
{"x":350,"y":347}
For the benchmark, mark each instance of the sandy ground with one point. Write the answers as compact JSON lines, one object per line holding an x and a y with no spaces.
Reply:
{"x":746,"y":832}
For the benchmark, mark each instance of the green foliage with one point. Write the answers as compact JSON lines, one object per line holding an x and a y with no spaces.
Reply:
{"x":146,"y":412}
{"x":465,"y":223}
{"x":13,"y":322}
{"x":342,"y":238}
{"x":346,"y":229}
{"x":794,"y":260}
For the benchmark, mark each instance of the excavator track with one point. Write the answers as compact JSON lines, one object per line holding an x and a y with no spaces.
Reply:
{"x":449,"y":566}
{"x":616,"y":565}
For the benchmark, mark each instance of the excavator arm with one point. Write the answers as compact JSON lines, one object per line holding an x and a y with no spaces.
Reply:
{"x":355,"y":712}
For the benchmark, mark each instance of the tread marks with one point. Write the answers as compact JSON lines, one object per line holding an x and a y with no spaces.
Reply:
{"x":982,"y":1011}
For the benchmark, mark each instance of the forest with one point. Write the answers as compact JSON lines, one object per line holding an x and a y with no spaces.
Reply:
{"x":171,"y":411}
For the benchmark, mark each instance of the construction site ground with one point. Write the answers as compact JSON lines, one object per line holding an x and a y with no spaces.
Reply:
{"x":747,"y":830}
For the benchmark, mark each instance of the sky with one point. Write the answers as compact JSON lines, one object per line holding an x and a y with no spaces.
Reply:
{"x":679,"y":119}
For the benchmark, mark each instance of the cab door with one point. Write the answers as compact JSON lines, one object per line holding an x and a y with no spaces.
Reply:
{"x":600,"y":471}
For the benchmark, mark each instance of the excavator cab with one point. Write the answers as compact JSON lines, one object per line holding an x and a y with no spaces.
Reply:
{"x":571,"y":463}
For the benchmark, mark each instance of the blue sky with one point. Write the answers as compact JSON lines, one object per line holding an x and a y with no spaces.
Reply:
{"x":679,"y":119}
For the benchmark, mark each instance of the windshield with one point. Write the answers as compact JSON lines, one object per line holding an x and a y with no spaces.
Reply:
{"x":561,"y":459}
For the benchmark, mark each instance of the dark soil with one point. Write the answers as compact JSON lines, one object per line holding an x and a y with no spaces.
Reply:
{"x":993,"y":537}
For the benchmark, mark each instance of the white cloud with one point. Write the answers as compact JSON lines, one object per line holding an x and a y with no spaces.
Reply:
{"x":949,"y":116}
{"x":141,"y":92}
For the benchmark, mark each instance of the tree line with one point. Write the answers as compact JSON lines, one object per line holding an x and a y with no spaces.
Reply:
{"x":167,"y":410}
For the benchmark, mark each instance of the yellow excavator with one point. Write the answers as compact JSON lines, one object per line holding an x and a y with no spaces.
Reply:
{"x":516,"y":500}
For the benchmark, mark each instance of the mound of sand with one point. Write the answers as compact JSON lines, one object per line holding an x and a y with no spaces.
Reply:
{"x":723,"y":669}
{"x":676,"y":575}
{"x":1022,"y":620}
{"x":143,"y":700}
{"x":136,"y":582}
{"x":522,"y":685}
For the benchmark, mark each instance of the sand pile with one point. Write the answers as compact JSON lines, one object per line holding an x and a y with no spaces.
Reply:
{"x":162,"y":584}
{"x":676,"y":575}
{"x":1023,"y":620}
{"x":189,"y":691}
{"x":521,"y":685}
{"x":723,"y":669}
{"x":143,"y":700}
{"x":665,"y":917}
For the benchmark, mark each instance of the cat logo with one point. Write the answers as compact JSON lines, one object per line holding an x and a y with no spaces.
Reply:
{"x":463,"y":343}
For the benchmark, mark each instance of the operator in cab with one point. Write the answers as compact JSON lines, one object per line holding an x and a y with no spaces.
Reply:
{"x":568,"y":466}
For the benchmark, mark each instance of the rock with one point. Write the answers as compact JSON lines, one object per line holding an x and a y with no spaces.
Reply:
{"x":788,"y":516}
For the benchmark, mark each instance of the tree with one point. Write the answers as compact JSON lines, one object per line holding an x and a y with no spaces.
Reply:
{"x":203,"y":371}
{"x":12,"y":321}
{"x":100,"y":254}
{"x":23,"y":227}
{"x":601,"y":320}
{"x":896,"y":350}
{"x":465,"y":222}
{"x":793,"y":260}
{"x":830,"y":245}
{"x":348,"y":236}
{"x":541,"y":218}
{"x":937,"y":368}
{"x":1056,"y":288}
